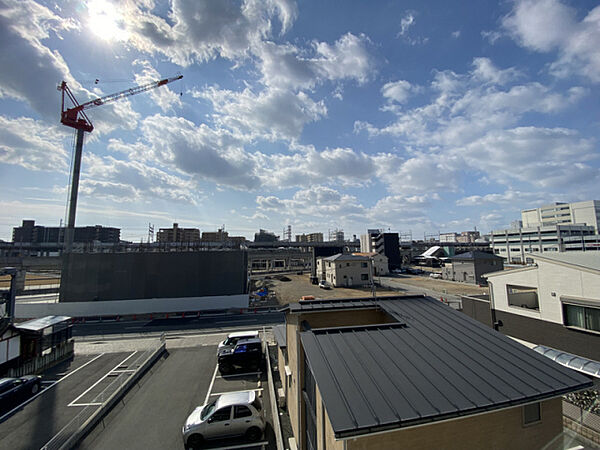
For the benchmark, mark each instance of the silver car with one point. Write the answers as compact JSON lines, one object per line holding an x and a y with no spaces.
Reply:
{"x":235,"y":414}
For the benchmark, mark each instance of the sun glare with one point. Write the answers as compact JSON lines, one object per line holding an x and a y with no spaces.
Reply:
{"x":105,"y":21}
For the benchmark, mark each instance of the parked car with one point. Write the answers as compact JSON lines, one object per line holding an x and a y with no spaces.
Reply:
{"x":324,"y":284}
{"x":246,"y":354}
{"x":233,"y":338}
{"x":435,"y":275}
{"x":13,"y":390}
{"x":230,"y":415}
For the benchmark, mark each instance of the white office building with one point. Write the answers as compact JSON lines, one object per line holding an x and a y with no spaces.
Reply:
{"x":582,"y":213}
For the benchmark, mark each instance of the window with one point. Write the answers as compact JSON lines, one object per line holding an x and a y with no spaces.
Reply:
{"x":522,"y":296}
{"x":532,"y":414}
{"x":581,"y":317}
{"x":241,"y":411}
{"x":221,"y":415}
{"x":364,"y":264}
{"x":347,"y":264}
{"x":364,"y":276}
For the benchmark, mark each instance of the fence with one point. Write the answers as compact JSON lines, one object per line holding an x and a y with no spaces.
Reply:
{"x":41,"y":363}
{"x":583,"y":422}
{"x":76,"y":429}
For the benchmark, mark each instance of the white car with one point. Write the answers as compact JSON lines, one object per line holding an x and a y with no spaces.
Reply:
{"x":435,"y":275}
{"x":233,"y":338}
{"x":235,"y":414}
{"x":324,"y":284}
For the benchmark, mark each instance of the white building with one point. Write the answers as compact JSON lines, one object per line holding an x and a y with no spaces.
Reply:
{"x":555,"y":302}
{"x":558,"y":213}
{"x":345,"y":270}
{"x":518,"y":246}
{"x":378,"y":261}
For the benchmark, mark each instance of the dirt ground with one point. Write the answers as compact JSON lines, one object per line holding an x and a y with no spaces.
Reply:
{"x":284,"y":289}
{"x":290,"y":288}
{"x":32,"y":279}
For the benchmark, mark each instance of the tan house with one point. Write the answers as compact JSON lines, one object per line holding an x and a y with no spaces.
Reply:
{"x":378,"y":261}
{"x":410,"y":372}
{"x":345,"y":270}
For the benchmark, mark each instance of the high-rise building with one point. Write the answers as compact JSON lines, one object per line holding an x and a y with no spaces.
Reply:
{"x":177,"y":234}
{"x":265,"y":236}
{"x":310,"y":237}
{"x":559,"y":213}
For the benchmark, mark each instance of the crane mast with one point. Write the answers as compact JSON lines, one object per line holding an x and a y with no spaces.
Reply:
{"x":75,"y":117}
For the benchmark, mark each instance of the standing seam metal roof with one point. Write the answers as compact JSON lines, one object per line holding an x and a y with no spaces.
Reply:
{"x":436,"y":364}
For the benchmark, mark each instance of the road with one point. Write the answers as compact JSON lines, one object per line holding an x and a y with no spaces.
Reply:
{"x":138,"y":328}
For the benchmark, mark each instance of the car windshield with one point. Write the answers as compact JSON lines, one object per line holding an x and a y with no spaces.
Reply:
{"x":208,"y":410}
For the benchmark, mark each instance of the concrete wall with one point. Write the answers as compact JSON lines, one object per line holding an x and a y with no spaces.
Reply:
{"x":129,"y":307}
{"x":495,"y":430}
{"x":128,"y":276}
{"x":477,"y":308}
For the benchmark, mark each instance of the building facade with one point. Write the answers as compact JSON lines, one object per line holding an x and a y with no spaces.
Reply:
{"x":345,"y":270}
{"x":310,"y":237}
{"x":378,"y":262}
{"x":471,"y":266}
{"x":177,"y":234}
{"x":559,"y":213}
{"x":31,"y":233}
{"x":265,"y":236}
{"x":554,"y":303}
{"x":518,"y":246}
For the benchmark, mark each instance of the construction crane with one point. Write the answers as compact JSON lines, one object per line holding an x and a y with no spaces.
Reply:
{"x":75,"y":117}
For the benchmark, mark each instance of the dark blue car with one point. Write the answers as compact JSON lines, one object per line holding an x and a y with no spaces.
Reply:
{"x":15,"y":390}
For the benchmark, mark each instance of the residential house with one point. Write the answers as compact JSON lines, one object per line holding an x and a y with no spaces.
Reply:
{"x":342,"y":270}
{"x":470,"y":266}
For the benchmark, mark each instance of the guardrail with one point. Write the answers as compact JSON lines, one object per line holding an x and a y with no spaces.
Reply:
{"x":72,"y":433}
{"x":273,"y":399}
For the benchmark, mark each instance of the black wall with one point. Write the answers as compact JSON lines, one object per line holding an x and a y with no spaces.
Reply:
{"x":127,"y":276}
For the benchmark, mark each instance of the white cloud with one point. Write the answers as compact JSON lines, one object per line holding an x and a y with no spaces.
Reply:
{"x":486,"y":71}
{"x":405,"y":23}
{"x":455,"y":34}
{"x":547,"y":25}
{"x":273,"y":114}
{"x":509,"y":197}
{"x":491,"y":36}
{"x":32,"y":144}
{"x":397,"y":91}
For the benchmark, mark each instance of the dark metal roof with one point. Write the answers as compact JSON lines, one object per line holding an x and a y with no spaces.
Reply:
{"x":280,"y":335}
{"x":346,"y":257}
{"x":436,"y":364}
{"x":41,"y":323}
{"x":475,"y":255}
{"x":331,"y":304}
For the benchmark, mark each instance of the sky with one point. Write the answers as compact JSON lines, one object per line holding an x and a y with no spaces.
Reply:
{"x":408,"y":116}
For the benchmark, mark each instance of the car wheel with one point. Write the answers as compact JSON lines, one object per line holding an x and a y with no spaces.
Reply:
{"x":253,"y":434}
{"x":225,"y":368}
{"x":195,"y":441}
{"x":35,"y":389}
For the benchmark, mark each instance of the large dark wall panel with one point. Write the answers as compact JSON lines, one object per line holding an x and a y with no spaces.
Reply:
{"x":551,"y":335}
{"x":478,"y":310}
{"x":128,"y":276}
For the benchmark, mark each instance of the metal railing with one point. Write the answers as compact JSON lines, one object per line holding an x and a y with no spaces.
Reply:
{"x":61,"y":440}
{"x":581,"y":417}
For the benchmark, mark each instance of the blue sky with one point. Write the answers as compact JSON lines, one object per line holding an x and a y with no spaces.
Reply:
{"x":321,"y":115}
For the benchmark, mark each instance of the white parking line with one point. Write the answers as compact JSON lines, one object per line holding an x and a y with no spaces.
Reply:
{"x":74,"y":402}
{"x":212,"y":382}
{"x":43,"y":391}
{"x":234,"y":375}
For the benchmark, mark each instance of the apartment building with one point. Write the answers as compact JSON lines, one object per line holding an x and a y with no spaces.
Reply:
{"x":31,"y":233}
{"x":559,"y":213}
{"x":310,"y":237}
{"x":410,"y":372}
{"x":345,"y":270}
{"x":177,"y":234}
{"x":465,"y":237}
{"x":518,"y":246}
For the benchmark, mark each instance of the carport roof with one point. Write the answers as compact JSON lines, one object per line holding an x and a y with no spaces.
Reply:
{"x":41,"y":323}
{"x":434,"y":364}
{"x":280,"y":336}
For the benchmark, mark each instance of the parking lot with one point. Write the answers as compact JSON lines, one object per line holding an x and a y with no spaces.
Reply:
{"x":152,"y":414}
{"x":67,"y":388}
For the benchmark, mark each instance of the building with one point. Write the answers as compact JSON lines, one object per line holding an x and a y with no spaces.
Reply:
{"x":367,"y":244}
{"x":177,"y":234}
{"x":265,"y":236}
{"x":31,"y":233}
{"x":387,"y":244}
{"x":555,"y":302}
{"x":336,"y":235}
{"x":410,"y":372}
{"x":448,"y":237}
{"x":311,"y":237}
{"x":520,"y":245}
{"x":469,"y":267}
{"x":378,"y":261}
{"x":467,"y":237}
{"x":345,"y":270}
{"x":559,"y":213}
{"x":222,"y":236}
